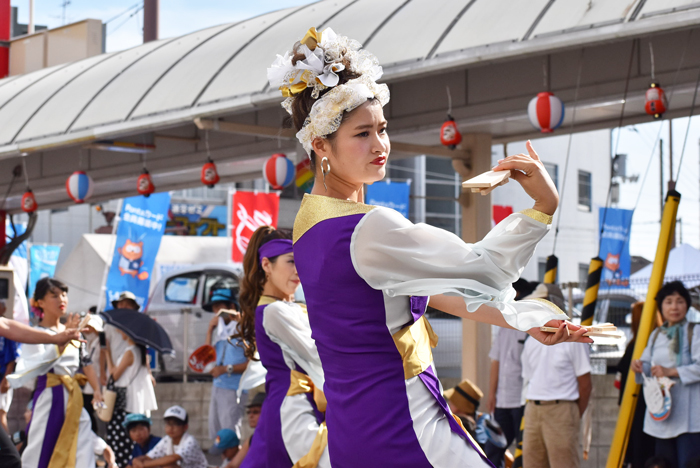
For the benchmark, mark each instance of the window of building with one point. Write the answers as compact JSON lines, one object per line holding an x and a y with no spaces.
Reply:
{"x":553,"y":171}
{"x":584,"y":191}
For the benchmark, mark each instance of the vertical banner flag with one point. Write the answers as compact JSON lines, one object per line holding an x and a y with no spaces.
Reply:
{"x":42,"y":263}
{"x":139,"y":233}
{"x":394,"y":195}
{"x":20,"y":264}
{"x":250,"y":211}
{"x":615,"y":246}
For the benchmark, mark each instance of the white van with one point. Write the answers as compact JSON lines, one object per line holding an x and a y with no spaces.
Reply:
{"x":176,"y":304}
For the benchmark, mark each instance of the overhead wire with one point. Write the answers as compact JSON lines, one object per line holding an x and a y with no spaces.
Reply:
{"x":568,"y":148}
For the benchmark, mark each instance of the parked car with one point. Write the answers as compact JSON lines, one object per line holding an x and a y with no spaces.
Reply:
{"x":176,"y":303}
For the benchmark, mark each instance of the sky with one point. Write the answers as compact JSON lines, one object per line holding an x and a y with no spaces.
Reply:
{"x":124,"y":21}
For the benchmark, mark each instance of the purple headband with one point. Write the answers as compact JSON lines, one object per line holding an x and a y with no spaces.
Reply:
{"x":275,"y":248}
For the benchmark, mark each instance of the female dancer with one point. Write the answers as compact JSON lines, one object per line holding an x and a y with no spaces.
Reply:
{"x":60,"y":432}
{"x":369,"y":273}
{"x":291,"y":428}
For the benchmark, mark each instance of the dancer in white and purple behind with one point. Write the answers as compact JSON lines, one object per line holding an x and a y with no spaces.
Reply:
{"x":291,"y":428}
{"x":368,"y":273}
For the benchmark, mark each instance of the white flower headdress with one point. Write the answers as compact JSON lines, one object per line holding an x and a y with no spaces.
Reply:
{"x":325,"y":55}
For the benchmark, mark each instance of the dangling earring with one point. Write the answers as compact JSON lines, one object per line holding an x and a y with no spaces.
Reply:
{"x":325,"y":172}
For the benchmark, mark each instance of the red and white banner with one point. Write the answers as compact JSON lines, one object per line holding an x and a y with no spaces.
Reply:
{"x":250,"y":211}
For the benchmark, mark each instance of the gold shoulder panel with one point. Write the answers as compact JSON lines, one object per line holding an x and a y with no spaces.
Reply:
{"x":266,"y":300}
{"x":317,"y":208}
{"x":537,"y":216}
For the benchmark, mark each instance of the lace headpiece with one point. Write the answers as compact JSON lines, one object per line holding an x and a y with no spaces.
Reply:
{"x":325,"y":55}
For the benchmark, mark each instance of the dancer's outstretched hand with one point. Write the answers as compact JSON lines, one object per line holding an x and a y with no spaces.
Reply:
{"x":561,"y":336}
{"x":529,"y":171}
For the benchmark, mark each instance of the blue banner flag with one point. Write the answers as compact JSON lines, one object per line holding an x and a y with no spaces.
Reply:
{"x":139,"y":233}
{"x":615,"y":247}
{"x":393,"y":195}
{"x":42,"y":263}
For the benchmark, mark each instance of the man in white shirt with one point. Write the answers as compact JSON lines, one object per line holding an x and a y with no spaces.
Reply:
{"x":558,"y":385}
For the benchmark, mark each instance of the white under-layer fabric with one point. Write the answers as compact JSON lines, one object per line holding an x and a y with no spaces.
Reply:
{"x":442,"y":447}
{"x":404,"y":259}
{"x":287,"y":324}
{"x":299,"y":428}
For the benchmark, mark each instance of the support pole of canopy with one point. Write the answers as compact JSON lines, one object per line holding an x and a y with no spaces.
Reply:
{"x":550,"y":274}
{"x":595,"y":269}
{"x":629,"y":399}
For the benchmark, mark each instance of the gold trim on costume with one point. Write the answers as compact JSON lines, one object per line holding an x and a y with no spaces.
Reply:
{"x":68,"y":437}
{"x":317,"y":208}
{"x":302,"y":383}
{"x":415,"y":345}
{"x":311,"y":459}
{"x":266,"y":300}
{"x":537,"y":216}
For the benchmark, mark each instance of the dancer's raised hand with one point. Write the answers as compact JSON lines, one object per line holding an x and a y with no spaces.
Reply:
{"x":529,"y":171}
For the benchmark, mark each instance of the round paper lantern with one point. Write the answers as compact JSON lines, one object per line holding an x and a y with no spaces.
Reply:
{"x":79,"y":186}
{"x":449,"y":133}
{"x":278,"y":171}
{"x":210,"y":176}
{"x":655,"y":101}
{"x":144,"y":184}
{"x":546,"y":112}
{"x":29,"y":202}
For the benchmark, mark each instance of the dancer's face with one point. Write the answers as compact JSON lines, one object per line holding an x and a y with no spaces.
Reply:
{"x":54,"y":303}
{"x":358,"y":151}
{"x":282,"y":274}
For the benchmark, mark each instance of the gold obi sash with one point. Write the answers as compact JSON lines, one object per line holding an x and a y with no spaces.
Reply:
{"x":415,"y":345}
{"x":300,"y":384}
{"x":68,"y":437}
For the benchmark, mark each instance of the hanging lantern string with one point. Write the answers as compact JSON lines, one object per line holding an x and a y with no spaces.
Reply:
{"x":687,"y":128}
{"x":568,"y":148}
{"x":449,"y":101}
{"x":545,"y":80}
{"x":206,"y":145}
{"x":658,"y":138}
{"x":608,"y":199}
{"x":651,"y":56}
{"x":24,"y":170}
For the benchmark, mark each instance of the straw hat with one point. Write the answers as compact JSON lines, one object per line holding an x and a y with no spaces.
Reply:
{"x":465,"y":396}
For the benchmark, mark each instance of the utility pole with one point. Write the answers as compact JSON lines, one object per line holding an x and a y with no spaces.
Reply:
{"x":64,"y":5}
{"x":150,"y":20}
{"x":661,"y":179}
{"x":30,"y":26}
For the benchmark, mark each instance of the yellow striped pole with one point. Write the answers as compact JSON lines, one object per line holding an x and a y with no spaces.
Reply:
{"x":629,"y":399}
{"x":595,"y":269}
{"x":550,"y":274}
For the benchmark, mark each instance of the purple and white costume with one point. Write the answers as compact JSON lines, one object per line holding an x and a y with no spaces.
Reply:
{"x":367,"y":274}
{"x":289,"y":421}
{"x":50,"y":403}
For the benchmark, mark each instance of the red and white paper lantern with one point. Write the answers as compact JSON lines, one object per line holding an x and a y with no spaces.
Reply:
{"x":144,"y":184}
{"x":546,"y":112}
{"x":29,"y":204}
{"x":278,"y":171}
{"x":79,"y":186}
{"x":655,"y":102}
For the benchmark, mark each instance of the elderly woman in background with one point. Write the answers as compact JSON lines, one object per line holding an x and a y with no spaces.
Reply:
{"x":673,"y":351}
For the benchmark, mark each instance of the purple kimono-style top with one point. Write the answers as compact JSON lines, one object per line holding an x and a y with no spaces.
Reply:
{"x":367,"y":273}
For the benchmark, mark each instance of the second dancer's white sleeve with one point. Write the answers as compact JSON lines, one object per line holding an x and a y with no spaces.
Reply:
{"x":404,"y":259}
{"x":288,"y":326}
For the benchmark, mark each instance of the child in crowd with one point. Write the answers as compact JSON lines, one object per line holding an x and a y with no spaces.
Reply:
{"x":138,"y":426}
{"x":177,"y":448}
{"x":226,"y":444}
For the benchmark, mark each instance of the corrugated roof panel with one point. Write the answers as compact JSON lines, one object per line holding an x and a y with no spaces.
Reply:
{"x":180,"y":87}
{"x":485,"y":22}
{"x":361,"y":19}
{"x":10,"y":87}
{"x":654,"y":7}
{"x":247,"y":73}
{"x":569,"y":14}
{"x":17,"y":111}
{"x":414,"y":30}
{"x":58,"y":113}
{"x":118,"y":99}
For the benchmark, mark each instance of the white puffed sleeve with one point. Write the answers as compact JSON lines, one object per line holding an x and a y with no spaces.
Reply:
{"x":287,"y":325}
{"x":35,"y":360}
{"x":404,"y":259}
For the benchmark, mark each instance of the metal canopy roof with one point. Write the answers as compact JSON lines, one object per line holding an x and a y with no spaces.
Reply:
{"x":486,"y":51}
